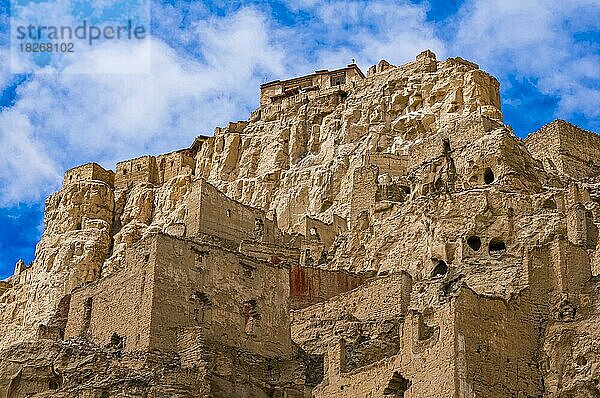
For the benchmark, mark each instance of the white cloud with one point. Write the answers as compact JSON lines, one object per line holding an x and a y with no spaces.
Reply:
{"x":205,"y":70}
{"x":26,"y":169}
{"x":367,"y":31}
{"x":68,"y":118}
{"x":537,"y":40}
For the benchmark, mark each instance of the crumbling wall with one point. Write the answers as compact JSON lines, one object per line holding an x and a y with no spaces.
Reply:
{"x":358,"y":332}
{"x":142,"y":169}
{"x":317,"y":231}
{"x":312,"y":285}
{"x":428,"y":356}
{"x":238,"y":301}
{"x":566,"y":148}
{"x":116,"y":310}
{"x":497,"y":344}
{"x":89,"y":172}
{"x":364,"y":190}
{"x":377,"y":304}
{"x":210,"y":212}
{"x":173,"y":164}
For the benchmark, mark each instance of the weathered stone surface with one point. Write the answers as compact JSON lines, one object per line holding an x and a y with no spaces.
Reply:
{"x":378,"y":236}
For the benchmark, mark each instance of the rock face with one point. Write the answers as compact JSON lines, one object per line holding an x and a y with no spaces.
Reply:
{"x":358,"y":236}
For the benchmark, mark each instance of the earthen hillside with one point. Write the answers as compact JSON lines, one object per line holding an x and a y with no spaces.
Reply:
{"x":358,"y":236}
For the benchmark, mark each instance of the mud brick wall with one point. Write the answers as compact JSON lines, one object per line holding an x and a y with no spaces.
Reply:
{"x":142,"y":169}
{"x":573,"y":151}
{"x":309,"y":286}
{"x":227,"y":282}
{"x":89,"y":172}
{"x":118,"y":304}
{"x":211,"y":212}
{"x":496,"y":346}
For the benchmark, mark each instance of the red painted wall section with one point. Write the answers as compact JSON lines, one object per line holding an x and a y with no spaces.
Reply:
{"x":309,"y":286}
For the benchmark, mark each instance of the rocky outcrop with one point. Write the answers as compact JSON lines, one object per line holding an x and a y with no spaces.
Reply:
{"x":391,"y":226}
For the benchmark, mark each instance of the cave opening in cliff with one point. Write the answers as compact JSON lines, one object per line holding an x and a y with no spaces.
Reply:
{"x":549,"y":204}
{"x":440,"y":269}
{"x":488,"y":176}
{"x":497,"y":247}
{"x":326,"y":204}
{"x":54,"y":384}
{"x":474,"y":242}
{"x":397,"y":386}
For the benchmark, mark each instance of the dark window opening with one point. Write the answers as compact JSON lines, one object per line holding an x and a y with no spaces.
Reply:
{"x":440,"y":269}
{"x":202,"y":298}
{"x":549,"y":204}
{"x":124,"y":172}
{"x":488,"y":176}
{"x":228,"y":212}
{"x":474,"y":242}
{"x":251,"y":316}
{"x":323,"y":259}
{"x":326,"y":205}
{"x":87,"y":314}
{"x":70,"y":178}
{"x":497,"y":247}
{"x":201,"y":307}
{"x":566,"y":311}
{"x":117,"y":341}
{"x":397,"y":386}
{"x":338,"y":80}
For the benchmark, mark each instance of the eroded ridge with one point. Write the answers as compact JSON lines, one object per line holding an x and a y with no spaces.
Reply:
{"x":378,"y":235}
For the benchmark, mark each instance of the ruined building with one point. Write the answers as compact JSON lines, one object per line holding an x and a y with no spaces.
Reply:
{"x":358,"y":236}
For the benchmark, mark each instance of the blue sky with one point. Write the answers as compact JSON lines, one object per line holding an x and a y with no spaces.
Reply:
{"x":208,"y":59}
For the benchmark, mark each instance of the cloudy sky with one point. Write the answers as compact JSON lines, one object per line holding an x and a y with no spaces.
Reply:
{"x":206,"y":60}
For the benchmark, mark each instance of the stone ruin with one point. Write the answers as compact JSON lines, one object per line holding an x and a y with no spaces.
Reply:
{"x":358,"y":236}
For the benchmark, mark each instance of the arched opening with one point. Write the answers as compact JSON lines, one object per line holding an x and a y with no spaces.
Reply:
{"x":488,"y":176}
{"x":497,"y":247}
{"x":549,"y":204}
{"x":440,"y":269}
{"x":474,"y":242}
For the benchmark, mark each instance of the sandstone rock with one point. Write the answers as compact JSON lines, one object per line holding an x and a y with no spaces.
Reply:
{"x":378,"y":236}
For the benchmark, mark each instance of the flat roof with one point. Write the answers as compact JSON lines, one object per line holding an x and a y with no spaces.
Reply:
{"x":317,"y":72}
